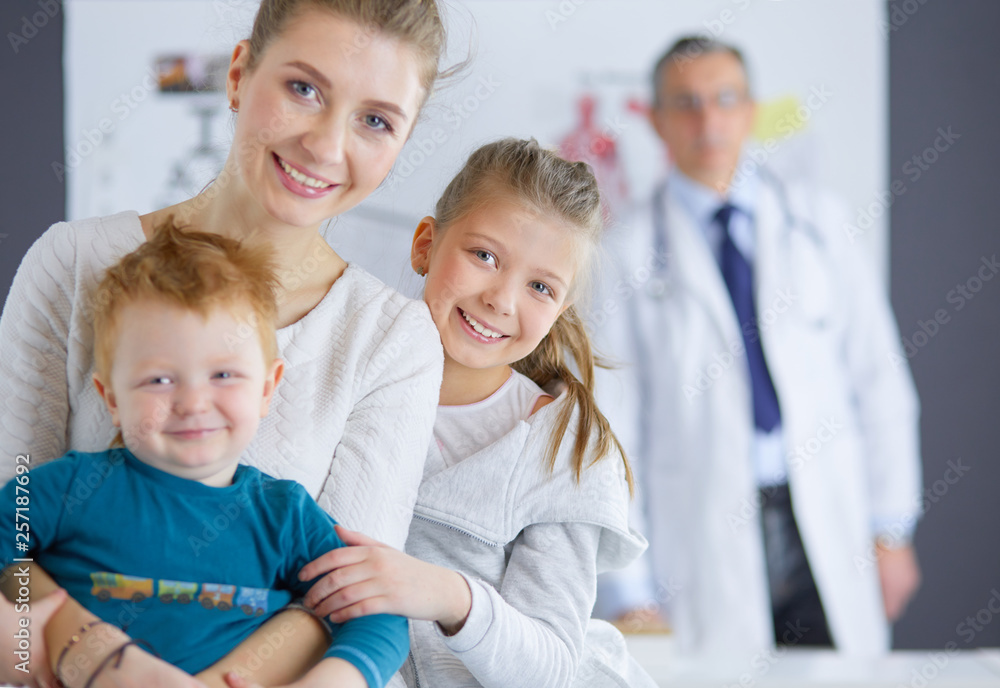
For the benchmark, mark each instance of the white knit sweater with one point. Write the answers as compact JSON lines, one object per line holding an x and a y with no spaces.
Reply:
{"x":351,"y":419}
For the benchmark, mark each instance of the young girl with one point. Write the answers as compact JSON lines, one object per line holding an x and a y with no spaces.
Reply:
{"x":525,"y":492}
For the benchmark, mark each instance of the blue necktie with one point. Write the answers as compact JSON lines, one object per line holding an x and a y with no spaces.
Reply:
{"x":738,"y":274}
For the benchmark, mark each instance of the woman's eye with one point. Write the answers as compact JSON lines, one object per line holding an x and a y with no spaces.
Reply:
{"x":541,"y":288}
{"x":377,"y":122}
{"x":485,"y":256}
{"x":303,"y":89}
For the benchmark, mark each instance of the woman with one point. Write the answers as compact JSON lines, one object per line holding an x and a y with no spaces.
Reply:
{"x":326,"y":93}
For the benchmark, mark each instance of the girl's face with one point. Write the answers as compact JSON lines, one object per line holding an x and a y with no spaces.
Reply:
{"x":322,"y":116}
{"x":497,"y":280}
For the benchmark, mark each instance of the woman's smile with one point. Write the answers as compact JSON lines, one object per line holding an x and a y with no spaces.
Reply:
{"x":298,"y":181}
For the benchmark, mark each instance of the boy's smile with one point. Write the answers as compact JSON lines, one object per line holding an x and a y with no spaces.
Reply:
{"x":188,"y":391}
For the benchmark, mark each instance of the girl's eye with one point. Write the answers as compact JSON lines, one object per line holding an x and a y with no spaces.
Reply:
{"x":222,"y":375}
{"x":302,"y":89}
{"x":541,"y":288}
{"x":161,"y":380}
{"x":485,"y":256}
{"x":377,"y":122}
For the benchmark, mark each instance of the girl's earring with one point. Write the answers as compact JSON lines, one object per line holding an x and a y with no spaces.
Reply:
{"x":421,"y":272}
{"x":233,"y":108}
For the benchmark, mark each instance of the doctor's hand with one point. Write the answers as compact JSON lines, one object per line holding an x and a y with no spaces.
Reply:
{"x":641,"y":620}
{"x":900,"y":576}
{"x":373,"y":578}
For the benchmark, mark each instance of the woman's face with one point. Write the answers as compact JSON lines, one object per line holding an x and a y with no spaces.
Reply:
{"x":322,"y":116}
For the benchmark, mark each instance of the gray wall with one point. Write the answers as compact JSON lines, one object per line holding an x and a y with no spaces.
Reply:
{"x":943,"y":59}
{"x":943,"y":73}
{"x":31,"y":127}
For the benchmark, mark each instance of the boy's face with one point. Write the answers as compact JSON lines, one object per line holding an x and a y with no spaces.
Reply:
{"x":188,"y":392}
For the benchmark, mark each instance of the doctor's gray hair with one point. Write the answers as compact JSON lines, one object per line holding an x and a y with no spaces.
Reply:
{"x":524,"y":172}
{"x":685,"y":50}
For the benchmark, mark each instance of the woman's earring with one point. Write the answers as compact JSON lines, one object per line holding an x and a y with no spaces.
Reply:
{"x":233,"y":108}
{"x":421,"y":272}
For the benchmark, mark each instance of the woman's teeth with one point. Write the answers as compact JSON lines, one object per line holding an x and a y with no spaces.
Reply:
{"x":486,"y":332}
{"x":301,"y":178}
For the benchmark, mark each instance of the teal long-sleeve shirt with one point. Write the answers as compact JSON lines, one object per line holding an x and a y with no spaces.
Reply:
{"x":193,"y":570}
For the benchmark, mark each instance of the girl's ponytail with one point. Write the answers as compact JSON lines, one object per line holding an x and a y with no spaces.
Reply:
{"x":523,"y":170}
{"x":547,"y":363}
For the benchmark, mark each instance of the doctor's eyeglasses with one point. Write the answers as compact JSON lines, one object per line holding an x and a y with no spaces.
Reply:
{"x":726,"y":100}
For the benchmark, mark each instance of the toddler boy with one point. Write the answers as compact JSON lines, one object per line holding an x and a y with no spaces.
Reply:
{"x":164,"y":535}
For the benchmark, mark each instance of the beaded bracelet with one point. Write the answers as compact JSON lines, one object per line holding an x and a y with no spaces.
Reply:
{"x":73,"y":640}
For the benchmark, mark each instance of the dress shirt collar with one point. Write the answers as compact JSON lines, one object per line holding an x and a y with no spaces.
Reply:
{"x":702,"y":202}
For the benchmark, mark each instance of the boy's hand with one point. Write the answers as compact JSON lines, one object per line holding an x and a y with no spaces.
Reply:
{"x":41,"y":675}
{"x":373,"y":578}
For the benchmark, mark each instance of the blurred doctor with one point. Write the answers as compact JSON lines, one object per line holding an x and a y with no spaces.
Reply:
{"x":768,"y":408}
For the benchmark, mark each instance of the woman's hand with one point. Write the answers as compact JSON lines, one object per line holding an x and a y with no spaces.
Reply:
{"x":35,"y":657}
{"x":372,"y":578}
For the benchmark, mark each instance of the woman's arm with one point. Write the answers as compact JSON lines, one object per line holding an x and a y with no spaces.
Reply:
{"x":379,"y":461}
{"x":138,"y":668}
{"x":22,"y":644}
{"x":331,"y":672}
{"x":302,"y":640}
{"x":34,"y":330}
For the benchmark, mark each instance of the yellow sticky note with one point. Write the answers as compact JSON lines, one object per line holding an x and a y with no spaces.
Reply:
{"x":778,"y":118}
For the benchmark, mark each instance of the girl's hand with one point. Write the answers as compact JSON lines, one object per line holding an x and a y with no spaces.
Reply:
{"x":373,"y":578}
{"x":41,"y":675}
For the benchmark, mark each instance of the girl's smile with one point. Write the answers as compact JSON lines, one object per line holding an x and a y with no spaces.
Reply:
{"x":480,"y":331}
{"x":497,"y":280}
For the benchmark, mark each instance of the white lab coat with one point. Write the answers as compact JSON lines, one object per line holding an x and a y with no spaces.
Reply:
{"x":682,"y":405}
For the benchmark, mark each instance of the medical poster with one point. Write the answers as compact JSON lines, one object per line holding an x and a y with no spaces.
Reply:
{"x":147,"y":121}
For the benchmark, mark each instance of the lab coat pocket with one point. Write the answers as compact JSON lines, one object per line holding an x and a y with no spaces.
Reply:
{"x":810,"y":294}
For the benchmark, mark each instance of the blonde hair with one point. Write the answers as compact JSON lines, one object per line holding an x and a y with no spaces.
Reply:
{"x":191,"y":270}
{"x":416,"y":23}
{"x":553,"y":187}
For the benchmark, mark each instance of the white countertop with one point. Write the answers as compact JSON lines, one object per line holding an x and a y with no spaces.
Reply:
{"x":788,"y":667}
